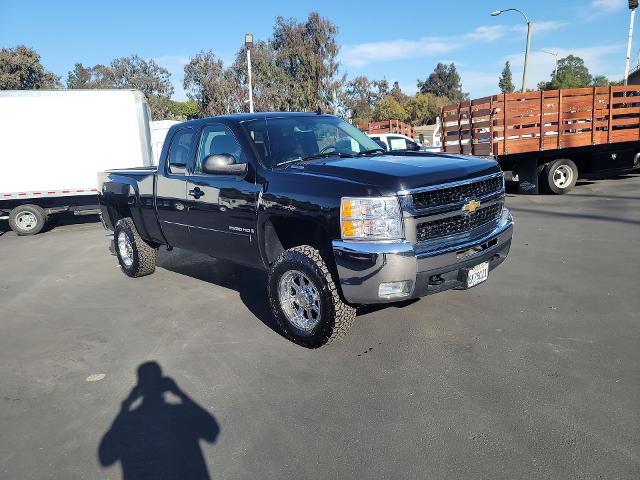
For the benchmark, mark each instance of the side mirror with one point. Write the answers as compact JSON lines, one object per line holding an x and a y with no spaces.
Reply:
{"x":223,"y":164}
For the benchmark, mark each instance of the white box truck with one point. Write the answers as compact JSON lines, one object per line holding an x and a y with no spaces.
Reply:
{"x":53,"y":143}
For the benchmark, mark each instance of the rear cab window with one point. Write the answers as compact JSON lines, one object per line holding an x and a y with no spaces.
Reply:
{"x":179,"y":151}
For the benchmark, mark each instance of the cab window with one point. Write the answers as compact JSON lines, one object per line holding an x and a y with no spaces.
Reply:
{"x":216,"y":139}
{"x":179,"y":151}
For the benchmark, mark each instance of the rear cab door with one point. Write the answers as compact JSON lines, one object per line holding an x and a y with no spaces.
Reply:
{"x":222,"y":207}
{"x":171,"y":187}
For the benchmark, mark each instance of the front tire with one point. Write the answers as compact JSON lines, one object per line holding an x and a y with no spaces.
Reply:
{"x":304,"y":298}
{"x":560,"y":176}
{"x":136,"y":257}
{"x":27,"y":219}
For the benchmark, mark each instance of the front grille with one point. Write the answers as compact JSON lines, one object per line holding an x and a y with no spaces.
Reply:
{"x":459,"y":193}
{"x":458,"y":223}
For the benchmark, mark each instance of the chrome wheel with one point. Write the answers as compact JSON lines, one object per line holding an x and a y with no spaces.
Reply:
{"x":299,"y":300}
{"x":125,"y":249}
{"x":26,"y":221}
{"x":563,"y":176}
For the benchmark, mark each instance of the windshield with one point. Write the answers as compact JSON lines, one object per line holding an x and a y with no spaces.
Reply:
{"x":281,"y":140}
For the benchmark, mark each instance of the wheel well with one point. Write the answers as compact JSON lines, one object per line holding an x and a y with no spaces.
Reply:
{"x":283,"y":233}
{"x":583,"y":162}
{"x":118,"y":209}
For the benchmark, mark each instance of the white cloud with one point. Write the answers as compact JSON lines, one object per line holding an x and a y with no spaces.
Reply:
{"x":479,"y":84}
{"x":609,"y":5}
{"x":175,"y":64}
{"x":539,"y":27}
{"x":600,"y":60}
{"x":363,"y":54}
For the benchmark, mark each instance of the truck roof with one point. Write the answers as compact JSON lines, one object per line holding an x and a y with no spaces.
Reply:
{"x":241,"y":117}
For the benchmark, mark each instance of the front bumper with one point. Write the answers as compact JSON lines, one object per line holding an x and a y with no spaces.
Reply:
{"x":363,"y":266}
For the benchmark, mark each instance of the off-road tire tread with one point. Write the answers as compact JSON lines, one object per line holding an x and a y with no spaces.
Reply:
{"x":343,"y":314}
{"x":144,"y":262}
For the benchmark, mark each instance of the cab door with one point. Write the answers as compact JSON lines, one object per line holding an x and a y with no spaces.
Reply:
{"x":222,"y":207}
{"x":171,"y":188}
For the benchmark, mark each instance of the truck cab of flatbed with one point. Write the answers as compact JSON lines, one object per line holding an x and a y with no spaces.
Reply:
{"x":334,"y":220}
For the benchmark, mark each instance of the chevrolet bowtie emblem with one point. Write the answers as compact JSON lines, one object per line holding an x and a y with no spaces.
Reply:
{"x":471,"y":206}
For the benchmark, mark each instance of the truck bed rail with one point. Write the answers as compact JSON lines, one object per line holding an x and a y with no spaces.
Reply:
{"x":515,"y":123}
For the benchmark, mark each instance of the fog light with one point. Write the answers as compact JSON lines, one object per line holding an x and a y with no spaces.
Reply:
{"x":395,"y":289}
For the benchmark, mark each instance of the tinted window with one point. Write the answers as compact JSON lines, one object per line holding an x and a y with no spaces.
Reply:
{"x":216,"y":139}
{"x":179,"y":150}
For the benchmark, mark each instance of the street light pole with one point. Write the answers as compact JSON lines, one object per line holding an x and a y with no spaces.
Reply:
{"x":555,"y":54}
{"x":248,"y":41}
{"x":526,"y":52}
{"x":632,"y":6}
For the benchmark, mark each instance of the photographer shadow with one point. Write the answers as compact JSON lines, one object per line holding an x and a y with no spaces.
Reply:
{"x":157,"y":438}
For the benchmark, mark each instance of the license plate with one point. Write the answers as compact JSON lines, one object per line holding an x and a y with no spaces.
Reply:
{"x":477,"y":274}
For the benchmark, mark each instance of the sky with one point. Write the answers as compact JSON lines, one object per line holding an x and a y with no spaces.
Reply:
{"x":400,"y":41}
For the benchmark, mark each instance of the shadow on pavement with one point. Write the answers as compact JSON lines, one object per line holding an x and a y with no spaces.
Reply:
{"x":157,"y":438}
{"x":250,"y":283}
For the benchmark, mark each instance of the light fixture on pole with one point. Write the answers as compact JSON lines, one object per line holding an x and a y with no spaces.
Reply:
{"x":633,"y":4}
{"x":526,"y":52}
{"x":248,"y":43}
{"x":555,"y":54}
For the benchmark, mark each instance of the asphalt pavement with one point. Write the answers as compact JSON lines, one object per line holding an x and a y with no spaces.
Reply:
{"x":534,"y":374}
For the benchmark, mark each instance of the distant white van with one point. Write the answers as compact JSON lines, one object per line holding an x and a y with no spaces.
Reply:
{"x":396,"y":142}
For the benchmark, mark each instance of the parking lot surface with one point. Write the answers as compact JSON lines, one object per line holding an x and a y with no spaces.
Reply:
{"x":534,"y":374}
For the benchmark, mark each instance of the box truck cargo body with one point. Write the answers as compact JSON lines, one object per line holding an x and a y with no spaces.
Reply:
{"x":54,"y":142}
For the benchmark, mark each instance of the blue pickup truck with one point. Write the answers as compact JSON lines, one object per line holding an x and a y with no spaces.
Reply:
{"x":336,"y":221}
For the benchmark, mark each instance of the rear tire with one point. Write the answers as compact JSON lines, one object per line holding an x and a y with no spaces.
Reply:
{"x":305,"y":300}
{"x":559,"y":176}
{"x":136,"y":257}
{"x":27,"y":219}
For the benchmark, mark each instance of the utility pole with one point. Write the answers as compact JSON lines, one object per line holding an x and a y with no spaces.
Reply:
{"x":633,"y":4}
{"x":248,"y":41}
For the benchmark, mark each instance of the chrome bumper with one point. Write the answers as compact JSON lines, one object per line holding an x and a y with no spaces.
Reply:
{"x":363,"y":266}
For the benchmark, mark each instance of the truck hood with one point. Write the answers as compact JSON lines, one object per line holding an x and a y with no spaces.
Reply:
{"x":392,"y":173}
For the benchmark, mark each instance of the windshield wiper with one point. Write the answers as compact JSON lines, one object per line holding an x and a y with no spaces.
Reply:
{"x":315,"y":157}
{"x":369,"y":152}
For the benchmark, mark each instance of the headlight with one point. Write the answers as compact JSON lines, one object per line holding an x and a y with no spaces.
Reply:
{"x":370,"y":218}
{"x":505,"y":216}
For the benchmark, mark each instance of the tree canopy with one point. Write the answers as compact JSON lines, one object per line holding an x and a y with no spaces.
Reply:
{"x":308,"y":54}
{"x":444,"y":81}
{"x":20,"y":69}
{"x":211,"y":85}
{"x":295,"y":68}
{"x":128,"y":72}
{"x":571,"y":73}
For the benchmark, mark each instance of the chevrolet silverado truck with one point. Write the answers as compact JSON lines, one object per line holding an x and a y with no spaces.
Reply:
{"x":335,"y":221}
